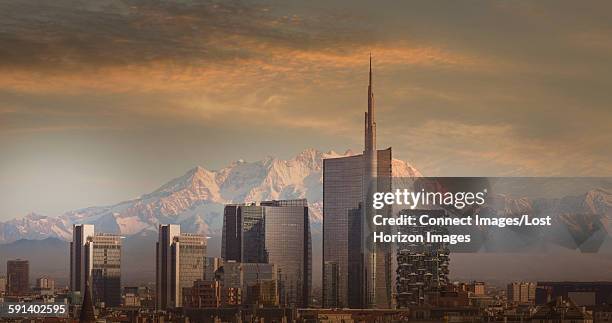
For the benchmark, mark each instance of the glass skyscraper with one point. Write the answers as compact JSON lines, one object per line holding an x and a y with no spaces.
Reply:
{"x":95,"y":259}
{"x":288,"y":244}
{"x":106,"y":269}
{"x":275,"y":232}
{"x":243,"y":233}
{"x":349,"y":182}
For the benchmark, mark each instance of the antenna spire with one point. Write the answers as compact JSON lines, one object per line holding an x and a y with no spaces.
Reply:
{"x":370,"y":69}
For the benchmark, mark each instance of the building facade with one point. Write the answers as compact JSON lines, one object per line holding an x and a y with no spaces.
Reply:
{"x":243,"y":233}
{"x":180,"y":261}
{"x":274,"y":232}
{"x":95,"y":259}
{"x":349,"y":182}
{"x":238,"y":281}
{"x":521,"y":292}
{"x":17,"y":277}
{"x":422,"y":268}
{"x":288,"y":245}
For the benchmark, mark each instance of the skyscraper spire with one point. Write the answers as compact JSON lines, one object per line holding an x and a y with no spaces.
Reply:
{"x":370,"y":124}
{"x":370,"y":83}
{"x":369,"y":187}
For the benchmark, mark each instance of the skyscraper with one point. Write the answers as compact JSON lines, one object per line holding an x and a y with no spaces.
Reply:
{"x":243,"y":233}
{"x":96,"y":258}
{"x":17,"y":277}
{"x":180,"y":261}
{"x":275,"y":232}
{"x":349,"y":182}
{"x":288,"y":245}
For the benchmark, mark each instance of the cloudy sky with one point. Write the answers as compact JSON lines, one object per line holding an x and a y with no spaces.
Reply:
{"x":101,"y":101}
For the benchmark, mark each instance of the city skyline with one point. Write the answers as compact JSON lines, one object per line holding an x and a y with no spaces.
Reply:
{"x":114,"y":112}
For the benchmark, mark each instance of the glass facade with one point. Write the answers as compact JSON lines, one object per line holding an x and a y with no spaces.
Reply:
{"x":106,"y":269}
{"x":342,"y":181}
{"x":342,"y":194}
{"x":181,"y":260}
{"x":288,"y":244}
{"x":191,"y":258}
{"x":244,"y":233}
{"x":95,"y":258}
{"x":274,"y":232}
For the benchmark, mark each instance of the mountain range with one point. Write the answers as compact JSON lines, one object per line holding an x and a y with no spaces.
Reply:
{"x":196,"y":199}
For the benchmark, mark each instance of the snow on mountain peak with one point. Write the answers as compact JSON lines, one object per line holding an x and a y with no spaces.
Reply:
{"x":196,"y":199}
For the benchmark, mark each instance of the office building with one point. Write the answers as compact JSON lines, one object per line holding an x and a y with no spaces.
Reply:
{"x":17,"y":277}
{"x":275,"y":232}
{"x":347,"y":183}
{"x":330,"y":283}
{"x":180,"y":261}
{"x":288,"y":246}
{"x":95,"y":258}
{"x":243,"y":233}
{"x":355,"y":259}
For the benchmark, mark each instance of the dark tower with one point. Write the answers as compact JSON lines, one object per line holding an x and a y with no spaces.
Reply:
{"x":88,"y":313}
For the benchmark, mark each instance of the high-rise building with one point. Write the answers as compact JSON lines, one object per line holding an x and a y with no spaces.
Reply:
{"x":347,"y":183}
{"x":422,"y":267}
{"x":79,"y":264}
{"x":95,"y":258}
{"x":243,"y":233}
{"x":106,"y":269}
{"x":355,"y":260}
{"x":17,"y":277}
{"x":275,"y":232}
{"x":180,"y":260}
{"x":330,"y":283}
{"x":288,"y":245}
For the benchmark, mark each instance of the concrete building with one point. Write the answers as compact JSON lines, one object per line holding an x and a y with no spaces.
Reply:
{"x":521,"y":293}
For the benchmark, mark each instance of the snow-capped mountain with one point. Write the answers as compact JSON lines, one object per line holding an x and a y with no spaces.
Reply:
{"x":196,"y":199}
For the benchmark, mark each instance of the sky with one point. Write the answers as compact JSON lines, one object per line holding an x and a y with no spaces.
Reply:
{"x":102,"y":101}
